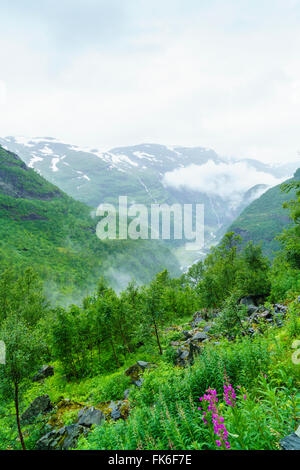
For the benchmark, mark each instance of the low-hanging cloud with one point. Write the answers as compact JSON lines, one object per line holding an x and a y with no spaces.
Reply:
{"x":227,"y":180}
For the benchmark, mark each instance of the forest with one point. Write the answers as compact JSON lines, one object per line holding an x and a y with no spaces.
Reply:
{"x":206,"y":360}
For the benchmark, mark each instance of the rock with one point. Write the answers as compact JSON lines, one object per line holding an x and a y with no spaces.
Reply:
{"x":63,"y":439}
{"x":291,"y":442}
{"x":136,"y":371}
{"x":197,"y":318}
{"x":40,"y":405}
{"x":298,"y":299}
{"x":207,"y":328}
{"x":115,"y":411}
{"x":200,"y":336}
{"x":265,"y":314}
{"x":144,"y":365}
{"x":251,"y":309}
{"x":280,"y":308}
{"x":249,"y":300}
{"x":139,"y":382}
{"x":250,"y":303}
{"x":90,"y":416}
{"x":126,"y":393}
{"x":185,"y":354}
{"x":43,"y":373}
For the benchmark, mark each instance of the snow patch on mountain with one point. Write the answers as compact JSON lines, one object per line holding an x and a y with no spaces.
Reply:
{"x":34,"y":160}
{"x":54,"y":162}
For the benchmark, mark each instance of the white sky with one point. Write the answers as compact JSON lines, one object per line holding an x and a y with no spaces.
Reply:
{"x":223,"y":74}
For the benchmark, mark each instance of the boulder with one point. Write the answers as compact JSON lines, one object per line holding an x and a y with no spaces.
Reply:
{"x":199,"y":336}
{"x":136,"y":371}
{"x":43,"y":373}
{"x":187,"y":334}
{"x":249,"y":300}
{"x":63,"y":439}
{"x":250,"y":303}
{"x":184,"y":354}
{"x":115,"y":411}
{"x":144,"y":365}
{"x":40,"y":405}
{"x":291,"y":442}
{"x":90,"y":416}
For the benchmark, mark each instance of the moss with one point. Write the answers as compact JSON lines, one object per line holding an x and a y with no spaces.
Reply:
{"x":65,"y":410}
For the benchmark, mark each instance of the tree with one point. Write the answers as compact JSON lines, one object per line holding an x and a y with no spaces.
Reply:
{"x":23,"y":295}
{"x":24,"y":350}
{"x":153,"y":306}
{"x":253,"y":276}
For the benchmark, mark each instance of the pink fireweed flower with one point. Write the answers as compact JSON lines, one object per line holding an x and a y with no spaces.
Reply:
{"x":229,"y":395}
{"x":218,"y":421}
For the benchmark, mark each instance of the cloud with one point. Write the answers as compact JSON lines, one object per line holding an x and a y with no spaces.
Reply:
{"x":227,"y":180}
{"x":217,"y":74}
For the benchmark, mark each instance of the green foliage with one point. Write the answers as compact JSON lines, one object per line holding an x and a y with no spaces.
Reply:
{"x":42,"y":227}
{"x":229,"y":270}
{"x":265,"y":218}
{"x":165,"y":411}
{"x":229,"y":321}
{"x":92,"y":343}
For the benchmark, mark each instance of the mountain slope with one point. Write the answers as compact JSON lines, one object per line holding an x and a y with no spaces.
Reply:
{"x":265,"y":218}
{"x":41,"y":226}
{"x":151,"y":173}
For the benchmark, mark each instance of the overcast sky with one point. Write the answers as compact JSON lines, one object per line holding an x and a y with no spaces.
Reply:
{"x":223,"y":74}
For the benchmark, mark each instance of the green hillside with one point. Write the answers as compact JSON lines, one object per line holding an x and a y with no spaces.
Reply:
{"x":42,"y":227}
{"x":207,"y":361}
{"x":265,"y":218}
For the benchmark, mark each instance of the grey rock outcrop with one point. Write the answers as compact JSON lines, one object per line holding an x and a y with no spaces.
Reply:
{"x":43,"y":373}
{"x":64,"y":438}
{"x":40,"y":405}
{"x":90,"y":417}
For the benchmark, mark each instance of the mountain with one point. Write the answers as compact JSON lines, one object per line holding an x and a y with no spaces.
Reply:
{"x":41,"y":226}
{"x":151,"y":173}
{"x":265,"y":218}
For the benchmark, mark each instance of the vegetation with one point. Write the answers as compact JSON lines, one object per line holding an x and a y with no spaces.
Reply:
{"x":42,"y":227}
{"x":248,"y":383}
{"x":266,"y":217}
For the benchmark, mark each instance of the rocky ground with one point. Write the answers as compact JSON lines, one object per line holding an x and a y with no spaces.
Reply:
{"x":190,"y":339}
